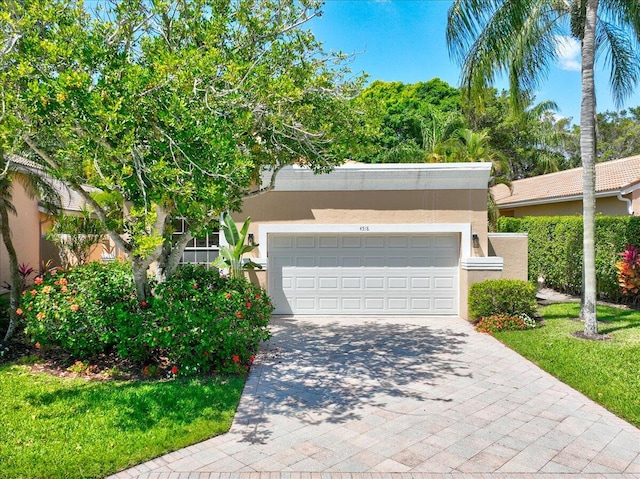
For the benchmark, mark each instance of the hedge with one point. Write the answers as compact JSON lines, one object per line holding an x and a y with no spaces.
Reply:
{"x":555,"y":249}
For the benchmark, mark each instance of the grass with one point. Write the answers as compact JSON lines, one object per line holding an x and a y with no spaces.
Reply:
{"x":74,"y":428}
{"x":606,"y":371}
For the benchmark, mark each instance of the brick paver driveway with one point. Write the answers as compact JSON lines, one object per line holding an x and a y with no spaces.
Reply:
{"x":408,"y":398}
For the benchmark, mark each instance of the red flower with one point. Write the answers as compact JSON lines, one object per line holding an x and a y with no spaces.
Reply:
{"x":174,"y":370}
{"x":248,"y":305}
{"x":38,"y":280}
{"x":19,"y":312}
{"x":236,"y":358}
{"x":257,"y":296}
{"x":195,"y":285}
{"x":251,"y":359}
{"x":143,"y":304}
{"x":227,"y":295}
{"x":33,"y":292}
{"x":239,"y":315}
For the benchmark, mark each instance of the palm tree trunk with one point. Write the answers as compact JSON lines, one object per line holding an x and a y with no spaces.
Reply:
{"x":588,"y":151}
{"x":16,"y":279}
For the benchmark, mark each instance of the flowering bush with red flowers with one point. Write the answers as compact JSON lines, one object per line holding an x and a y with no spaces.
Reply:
{"x":198,"y":320}
{"x":502,"y":322}
{"x":68,"y":309}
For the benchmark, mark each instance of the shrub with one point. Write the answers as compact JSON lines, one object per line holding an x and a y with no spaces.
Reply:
{"x":209,"y":321}
{"x":198,"y":320}
{"x":68,"y":308}
{"x":555,"y":250}
{"x":629,"y":273}
{"x":504,"y":322}
{"x":502,"y":296}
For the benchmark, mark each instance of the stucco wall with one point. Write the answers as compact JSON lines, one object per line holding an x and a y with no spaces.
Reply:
{"x":25,"y":232}
{"x":370,"y":207}
{"x":606,"y":206}
{"x":513,"y":248}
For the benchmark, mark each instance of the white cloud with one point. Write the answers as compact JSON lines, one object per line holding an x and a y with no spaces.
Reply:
{"x":568,"y":51}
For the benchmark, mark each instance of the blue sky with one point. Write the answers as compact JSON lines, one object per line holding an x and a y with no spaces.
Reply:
{"x":404,"y":40}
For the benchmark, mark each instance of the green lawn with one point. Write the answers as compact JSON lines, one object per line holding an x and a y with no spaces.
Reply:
{"x":74,"y":428}
{"x":606,"y":371}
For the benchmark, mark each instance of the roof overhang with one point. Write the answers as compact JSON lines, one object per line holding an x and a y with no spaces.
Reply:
{"x":559,"y":199}
{"x":372,"y":177}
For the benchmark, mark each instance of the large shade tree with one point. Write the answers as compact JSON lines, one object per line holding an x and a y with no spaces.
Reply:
{"x":170,"y":108}
{"x":519,"y":39}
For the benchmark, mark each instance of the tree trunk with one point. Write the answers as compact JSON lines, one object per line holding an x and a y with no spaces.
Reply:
{"x":16,"y":279}
{"x":170,"y":257}
{"x":588,"y":151}
{"x":140,"y":278}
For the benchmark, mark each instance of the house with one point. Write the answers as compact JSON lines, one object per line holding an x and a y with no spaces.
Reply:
{"x":617,"y":191}
{"x":389,"y":239}
{"x":32,"y":221}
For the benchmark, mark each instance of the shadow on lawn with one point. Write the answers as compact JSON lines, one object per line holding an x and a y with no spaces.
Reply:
{"x":328,"y":372}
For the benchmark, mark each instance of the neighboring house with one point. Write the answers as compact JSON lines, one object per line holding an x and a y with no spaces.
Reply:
{"x":30,"y":224}
{"x":391,"y":239}
{"x":617,"y":191}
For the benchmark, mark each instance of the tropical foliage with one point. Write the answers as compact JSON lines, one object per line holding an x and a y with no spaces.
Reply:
{"x":200,"y":321}
{"x":173,"y":108}
{"x":232,"y":254}
{"x":519,"y":39}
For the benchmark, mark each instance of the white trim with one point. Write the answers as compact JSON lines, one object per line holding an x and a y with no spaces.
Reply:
{"x":508,"y":235}
{"x":376,"y":177}
{"x":291,"y":228}
{"x":487,"y":263}
{"x":557,"y":199}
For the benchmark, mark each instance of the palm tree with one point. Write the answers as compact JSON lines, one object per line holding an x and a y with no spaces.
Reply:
{"x":468,"y":145}
{"x":34,"y":181}
{"x":519,"y":39}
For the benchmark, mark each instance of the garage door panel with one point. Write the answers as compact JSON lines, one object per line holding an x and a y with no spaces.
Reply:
{"x":373,"y":304}
{"x":374,"y":261}
{"x":374,"y":241}
{"x":377,"y":274}
{"x":351,"y":242}
{"x":374,"y":282}
{"x":352,"y":282}
{"x":328,"y":262}
{"x":352,"y":304}
{"x":328,"y":242}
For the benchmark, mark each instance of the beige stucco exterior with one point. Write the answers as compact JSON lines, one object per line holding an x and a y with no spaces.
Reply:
{"x":439,"y":207}
{"x":369,"y":207}
{"x":25,"y":233}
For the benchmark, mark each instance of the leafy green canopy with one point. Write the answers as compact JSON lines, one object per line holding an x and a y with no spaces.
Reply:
{"x":170,"y":108}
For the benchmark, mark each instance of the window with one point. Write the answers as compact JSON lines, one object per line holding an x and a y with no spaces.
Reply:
{"x":201,"y":250}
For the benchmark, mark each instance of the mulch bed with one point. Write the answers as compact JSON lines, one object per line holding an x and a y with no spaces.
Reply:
{"x":103,"y":367}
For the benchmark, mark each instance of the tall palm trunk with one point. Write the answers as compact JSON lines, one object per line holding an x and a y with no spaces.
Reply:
{"x":587,"y":151}
{"x":16,"y":279}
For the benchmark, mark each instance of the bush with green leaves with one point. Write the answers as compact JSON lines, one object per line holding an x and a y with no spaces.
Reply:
{"x":510,"y":297}
{"x":199,"y":320}
{"x":68,"y":308}
{"x":555,"y":250}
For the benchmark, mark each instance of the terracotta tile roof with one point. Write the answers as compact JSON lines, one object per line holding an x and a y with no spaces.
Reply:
{"x":611,"y":176}
{"x":69,"y":199}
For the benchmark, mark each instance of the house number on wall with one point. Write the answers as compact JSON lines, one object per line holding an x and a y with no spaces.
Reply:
{"x":364,"y":228}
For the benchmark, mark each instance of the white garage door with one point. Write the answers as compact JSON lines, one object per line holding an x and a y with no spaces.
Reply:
{"x":364,"y":274}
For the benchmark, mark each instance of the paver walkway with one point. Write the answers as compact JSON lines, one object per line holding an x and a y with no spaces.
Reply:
{"x":403,"y":398}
